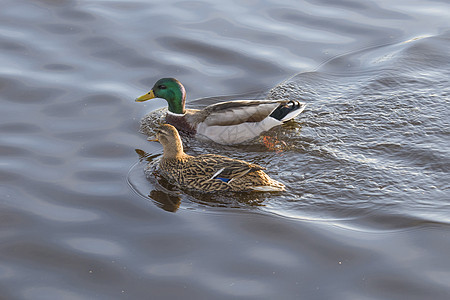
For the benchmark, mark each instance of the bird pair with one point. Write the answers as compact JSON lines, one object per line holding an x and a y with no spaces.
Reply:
{"x":231,"y":122}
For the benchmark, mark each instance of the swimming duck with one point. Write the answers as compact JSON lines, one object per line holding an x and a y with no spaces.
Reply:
{"x":209,"y":172}
{"x":230,"y":122}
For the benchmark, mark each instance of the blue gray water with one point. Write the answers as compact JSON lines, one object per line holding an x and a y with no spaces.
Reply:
{"x":366,"y":213}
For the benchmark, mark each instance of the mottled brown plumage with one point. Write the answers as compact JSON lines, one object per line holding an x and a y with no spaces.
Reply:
{"x":209,"y":172}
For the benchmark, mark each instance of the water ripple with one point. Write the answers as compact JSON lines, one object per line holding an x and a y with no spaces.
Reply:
{"x":365,"y":165}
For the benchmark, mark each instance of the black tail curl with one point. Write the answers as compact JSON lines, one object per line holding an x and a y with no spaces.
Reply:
{"x":284,"y":109}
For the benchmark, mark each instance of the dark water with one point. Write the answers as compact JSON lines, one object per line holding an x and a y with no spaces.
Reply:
{"x":366,"y":213}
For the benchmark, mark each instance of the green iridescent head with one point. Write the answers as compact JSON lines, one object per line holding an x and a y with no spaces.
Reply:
{"x":170,"y":89}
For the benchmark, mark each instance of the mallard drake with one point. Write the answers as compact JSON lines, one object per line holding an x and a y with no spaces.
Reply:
{"x":209,"y":172}
{"x":230,"y":122}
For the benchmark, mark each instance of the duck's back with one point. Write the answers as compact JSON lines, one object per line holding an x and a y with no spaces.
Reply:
{"x":210,"y":172}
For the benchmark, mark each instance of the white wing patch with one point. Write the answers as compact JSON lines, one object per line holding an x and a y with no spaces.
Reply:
{"x":217,"y":173}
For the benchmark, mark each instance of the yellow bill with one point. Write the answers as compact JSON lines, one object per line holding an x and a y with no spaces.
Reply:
{"x":145,"y":97}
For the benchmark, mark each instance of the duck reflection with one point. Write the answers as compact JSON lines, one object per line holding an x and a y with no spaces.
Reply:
{"x":165,"y":201}
{"x":145,"y":156}
{"x":162,"y":195}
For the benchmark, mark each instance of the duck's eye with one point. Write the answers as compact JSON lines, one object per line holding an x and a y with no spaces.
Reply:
{"x":161,"y":87}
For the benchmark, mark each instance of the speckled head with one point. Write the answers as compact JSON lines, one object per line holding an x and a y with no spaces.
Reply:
{"x":170,"y":89}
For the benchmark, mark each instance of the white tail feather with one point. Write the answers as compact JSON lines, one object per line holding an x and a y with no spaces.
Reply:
{"x":294,"y":113}
{"x":268,"y":188}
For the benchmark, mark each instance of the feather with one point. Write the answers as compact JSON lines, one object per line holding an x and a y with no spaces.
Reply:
{"x":226,"y":180}
{"x":235,"y":134}
{"x":268,"y":188}
{"x":237,"y":112}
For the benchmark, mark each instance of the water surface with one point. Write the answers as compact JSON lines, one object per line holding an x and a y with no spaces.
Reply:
{"x":366,"y":165}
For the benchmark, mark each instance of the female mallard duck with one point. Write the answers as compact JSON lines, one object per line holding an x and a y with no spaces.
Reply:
{"x":209,"y":172}
{"x":229,"y":122}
